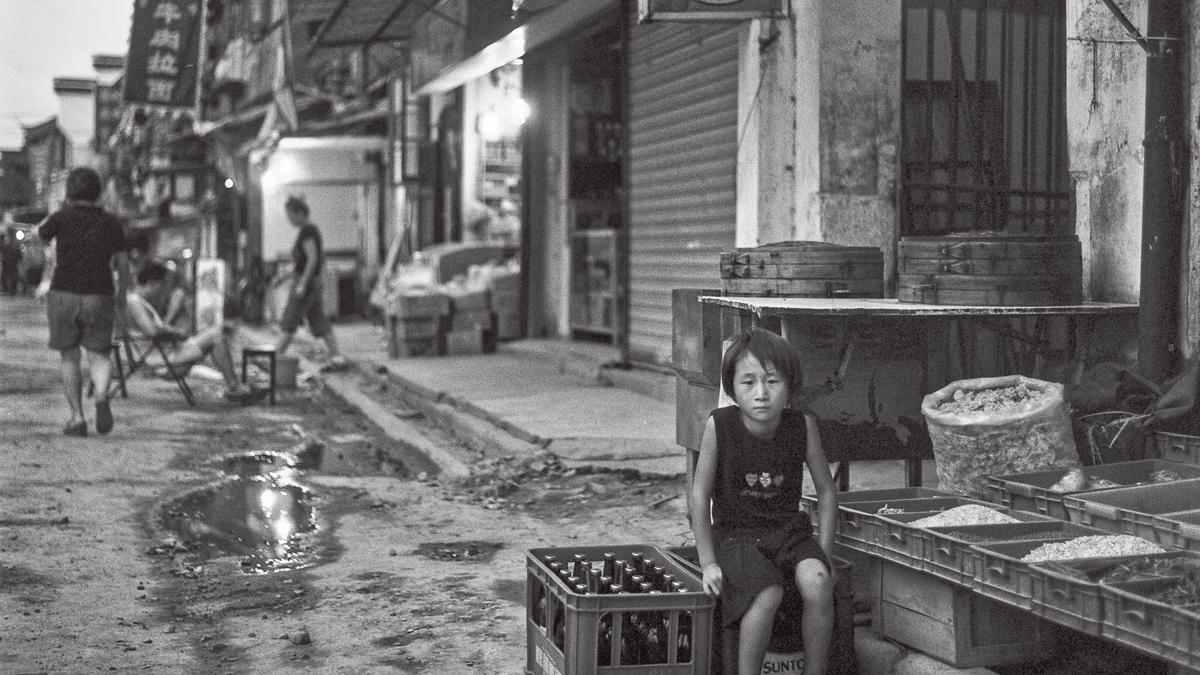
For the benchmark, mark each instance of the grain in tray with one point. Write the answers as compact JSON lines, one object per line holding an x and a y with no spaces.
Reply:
{"x":1093,"y":546}
{"x":967,"y":514}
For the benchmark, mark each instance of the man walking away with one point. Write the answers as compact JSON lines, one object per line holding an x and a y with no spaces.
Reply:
{"x":81,"y":302}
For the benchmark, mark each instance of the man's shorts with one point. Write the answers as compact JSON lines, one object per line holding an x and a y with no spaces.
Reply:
{"x":309,"y":307}
{"x":78,"y":320}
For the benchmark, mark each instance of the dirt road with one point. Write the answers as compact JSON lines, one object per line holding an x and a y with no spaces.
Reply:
{"x":199,"y":540}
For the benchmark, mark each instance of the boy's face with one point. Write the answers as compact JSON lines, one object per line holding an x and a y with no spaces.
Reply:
{"x":759,"y":389}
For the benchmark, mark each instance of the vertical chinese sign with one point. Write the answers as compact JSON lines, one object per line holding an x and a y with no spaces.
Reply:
{"x":210,"y":293}
{"x":164,"y":53}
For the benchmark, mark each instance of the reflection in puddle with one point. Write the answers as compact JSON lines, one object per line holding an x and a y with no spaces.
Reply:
{"x":265,"y":519}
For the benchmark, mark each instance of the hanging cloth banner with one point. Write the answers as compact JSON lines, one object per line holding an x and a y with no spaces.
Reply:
{"x":710,"y":10}
{"x":164,"y":53}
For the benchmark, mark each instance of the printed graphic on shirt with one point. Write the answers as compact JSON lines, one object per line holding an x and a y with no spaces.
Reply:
{"x":763,"y":484}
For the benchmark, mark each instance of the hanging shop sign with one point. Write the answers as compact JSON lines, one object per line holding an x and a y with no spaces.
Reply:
{"x":710,"y":10}
{"x":164,"y":53}
{"x":210,"y":292}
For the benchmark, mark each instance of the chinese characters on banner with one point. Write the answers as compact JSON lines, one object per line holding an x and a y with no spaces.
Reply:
{"x":210,"y":293}
{"x":164,"y":51}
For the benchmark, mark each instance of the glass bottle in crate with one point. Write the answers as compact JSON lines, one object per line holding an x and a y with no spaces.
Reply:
{"x":604,"y":641}
{"x":683,"y":643}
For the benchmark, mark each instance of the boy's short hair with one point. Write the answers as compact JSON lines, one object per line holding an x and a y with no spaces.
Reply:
{"x":296,"y":205}
{"x":767,"y":347}
{"x":153,"y":271}
{"x":83,"y":185}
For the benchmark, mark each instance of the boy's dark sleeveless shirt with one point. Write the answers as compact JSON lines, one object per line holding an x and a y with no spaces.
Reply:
{"x":759,"y":481}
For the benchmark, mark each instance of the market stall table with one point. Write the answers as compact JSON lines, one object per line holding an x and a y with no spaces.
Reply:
{"x":927,"y":329}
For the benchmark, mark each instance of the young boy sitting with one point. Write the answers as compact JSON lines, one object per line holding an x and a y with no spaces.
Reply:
{"x":756,"y":547}
{"x":188,"y":349}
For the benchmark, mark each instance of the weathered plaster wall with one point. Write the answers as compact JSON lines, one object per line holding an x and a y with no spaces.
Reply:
{"x":848,"y":123}
{"x":1105,"y":127}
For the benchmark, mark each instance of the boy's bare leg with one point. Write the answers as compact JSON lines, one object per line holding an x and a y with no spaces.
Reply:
{"x":72,"y":382}
{"x":754,"y":633}
{"x":816,"y":621}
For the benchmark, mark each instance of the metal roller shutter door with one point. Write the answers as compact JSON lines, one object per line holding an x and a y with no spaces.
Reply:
{"x":682,"y":170}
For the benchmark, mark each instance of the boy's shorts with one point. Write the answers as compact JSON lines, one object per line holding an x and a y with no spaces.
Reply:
{"x":308,"y":306}
{"x":78,"y":319}
{"x":753,"y":559}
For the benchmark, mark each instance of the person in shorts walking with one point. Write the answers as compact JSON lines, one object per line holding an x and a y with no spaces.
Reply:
{"x":305,"y":299}
{"x":81,"y":301}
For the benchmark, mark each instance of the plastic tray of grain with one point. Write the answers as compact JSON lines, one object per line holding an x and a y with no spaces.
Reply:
{"x":1180,"y":530}
{"x":1135,"y":510}
{"x":1177,"y":447}
{"x":1067,"y":592}
{"x":948,"y":552}
{"x":899,"y":534}
{"x":808,"y":503}
{"x":1002,"y":573}
{"x":866,"y":525}
{"x":1035,"y":491}
{"x":1135,"y":615}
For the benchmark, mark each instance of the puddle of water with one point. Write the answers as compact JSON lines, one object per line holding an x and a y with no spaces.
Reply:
{"x":459,"y":551}
{"x":267,"y":520}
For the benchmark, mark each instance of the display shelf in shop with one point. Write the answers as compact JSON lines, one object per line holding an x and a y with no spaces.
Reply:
{"x":1032,"y":491}
{"x":583,"y":634}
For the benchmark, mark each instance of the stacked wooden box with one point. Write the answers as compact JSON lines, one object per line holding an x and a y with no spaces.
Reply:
{"x":506,"y":305}
{"x":415,"y":323}
{"x":810,"y":269}
{"x":990,"y":269}
{"x":470,"y":329}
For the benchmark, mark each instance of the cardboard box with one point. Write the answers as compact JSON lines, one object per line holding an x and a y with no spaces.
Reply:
{"x":425,"y":305}
{"x":508,"y":325}
{"x":416,"y":347}
{"x":403,"y":328}
{"x":467,"y":341}
{"x":469,"y":301}
{"x":466,"y":320}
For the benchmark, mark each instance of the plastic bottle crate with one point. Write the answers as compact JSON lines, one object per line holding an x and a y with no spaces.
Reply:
{"x":1177,"y":447}
{"x":1031,"y":491}
{"x":1067,"y":592}
{"x":564,"y":628}
{"x":1133,"y":618}
{"x":1135,"y":510}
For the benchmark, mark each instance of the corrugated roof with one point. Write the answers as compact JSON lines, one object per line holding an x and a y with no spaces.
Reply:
{"x":354,"y":22}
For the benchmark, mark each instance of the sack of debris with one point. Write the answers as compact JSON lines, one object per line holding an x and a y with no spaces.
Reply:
{"x":993,"y":426}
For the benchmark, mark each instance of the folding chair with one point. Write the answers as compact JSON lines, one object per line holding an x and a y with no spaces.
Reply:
{"x":137,"y":349}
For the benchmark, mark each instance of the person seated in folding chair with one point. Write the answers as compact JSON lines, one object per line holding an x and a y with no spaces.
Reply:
{"x":182,"y":349}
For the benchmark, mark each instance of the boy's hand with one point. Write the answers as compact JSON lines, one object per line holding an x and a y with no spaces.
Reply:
{"x":712,"y":580}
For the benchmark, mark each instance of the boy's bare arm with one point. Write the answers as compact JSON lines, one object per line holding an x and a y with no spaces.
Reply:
{"x":818,"y":468}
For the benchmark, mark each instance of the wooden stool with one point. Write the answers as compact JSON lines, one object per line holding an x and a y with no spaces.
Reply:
{"x":268,"y":353}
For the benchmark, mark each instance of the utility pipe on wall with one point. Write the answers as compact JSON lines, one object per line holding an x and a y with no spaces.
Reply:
{"x":1163,"y":189}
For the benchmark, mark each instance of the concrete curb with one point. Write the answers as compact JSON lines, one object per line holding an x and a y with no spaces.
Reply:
{"x":482,"y":432}
{"x":396,"y":428}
